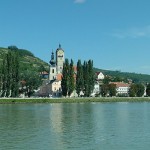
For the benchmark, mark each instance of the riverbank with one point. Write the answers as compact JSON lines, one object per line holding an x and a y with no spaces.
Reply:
{"x":73,"y":100}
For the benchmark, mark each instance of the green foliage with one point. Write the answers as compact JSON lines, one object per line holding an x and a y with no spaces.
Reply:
{"x":91,"y":77}
{"x":79,"y":78}
{"x":112,"y":90}
{"x":85,"y":78}
{"x":148,"y":90}
{"x":65,"y":78}
{"x":10,"y":75}
{"x":71,"y":84}
{"x":140,"y":90}
{"x":21,"y":52}
{"x":30,"y":81}
{"x":104,"y":90}
{"x":136,"y":90}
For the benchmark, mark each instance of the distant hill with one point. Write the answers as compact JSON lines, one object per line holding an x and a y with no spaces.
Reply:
{"x":135,"y":77}
{"x":27,"y":60}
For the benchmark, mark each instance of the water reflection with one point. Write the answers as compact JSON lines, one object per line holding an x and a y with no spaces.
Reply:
{"x":75,"y":126}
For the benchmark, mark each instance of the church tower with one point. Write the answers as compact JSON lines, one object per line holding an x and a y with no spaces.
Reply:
{"x":52,"y":68}
{"x":59,"y":59}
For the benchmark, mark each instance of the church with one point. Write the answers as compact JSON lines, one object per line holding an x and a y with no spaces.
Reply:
{"x":56,"y":63}
{"x":52,"y":86}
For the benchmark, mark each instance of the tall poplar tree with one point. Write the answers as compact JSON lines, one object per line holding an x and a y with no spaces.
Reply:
{"x":10,"y":75}
{"x":71,"y":83}
{"x":65,"y":78}
{"x":86,"y":79}
{"x":91,"y":77}
{"x":79,"y":78}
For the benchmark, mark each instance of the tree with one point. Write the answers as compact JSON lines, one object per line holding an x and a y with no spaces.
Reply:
{"x":71,"y":83}
{"x":86,"y":79}
{"x":79,"y":78}
{"x":91,"y":77}
{"x":106,"y":80}
{"x":132,"y":90}
{"x":65,"y":78}
{"x":148,"y":90}
{"x":30,"y":81}
{"x":112,"y":90}
{"x":140,"y":90}
{"x":136,"y":90}
{"x":10,"y":75}
{"x":13,"y":48}
{"x":104,"y":90}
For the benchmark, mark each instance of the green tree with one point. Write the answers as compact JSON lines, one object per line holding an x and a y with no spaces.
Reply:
{"x":31,"y":82}
{"x":71,"y":84}
{"x":148,"y":90}
{"x":13,"y":48}
{"x":132,"y":90}
{"x":136,"y":90}
{"x":10,"y":75}
{"x":106,"y":80}
{"x":104,"y":90}
{"x":112,"y":89}
{"x":140,"y":90}
{"x":65,"y":78}
{"x":79,"y":78}
{"x":86,"y":79}
{"x":91,"y":77}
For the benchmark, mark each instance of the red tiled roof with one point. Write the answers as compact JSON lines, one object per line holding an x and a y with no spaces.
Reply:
{"x":59,"y":76}
{"x":120,"y":84}
{"x":97,"y":73}
{"x":75,"y":68}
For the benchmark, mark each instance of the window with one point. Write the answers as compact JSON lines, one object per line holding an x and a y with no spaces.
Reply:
{"x":53,"y":71}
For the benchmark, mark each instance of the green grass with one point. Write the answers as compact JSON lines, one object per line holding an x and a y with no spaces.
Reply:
{"x":72,"y":100}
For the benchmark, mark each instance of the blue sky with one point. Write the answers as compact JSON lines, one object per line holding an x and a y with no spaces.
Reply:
{"x":115,"y":34}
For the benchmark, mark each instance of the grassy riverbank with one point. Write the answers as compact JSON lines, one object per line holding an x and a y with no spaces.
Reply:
{"x":73,"y":100}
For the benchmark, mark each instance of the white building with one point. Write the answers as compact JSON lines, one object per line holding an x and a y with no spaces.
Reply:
{"x":96,"y":89}
{"x":100,"y":76}
{"x":121,"y":88}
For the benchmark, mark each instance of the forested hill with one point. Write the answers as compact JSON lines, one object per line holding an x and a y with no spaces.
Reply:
{"x":135,"y":77}
{"x":27,"y":59}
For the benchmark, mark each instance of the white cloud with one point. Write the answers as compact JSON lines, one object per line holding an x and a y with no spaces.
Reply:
{"x":133,"y":33}
{"x":79,"y":1}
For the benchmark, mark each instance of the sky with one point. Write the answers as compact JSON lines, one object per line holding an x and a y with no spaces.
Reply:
{"x":115,"y":34}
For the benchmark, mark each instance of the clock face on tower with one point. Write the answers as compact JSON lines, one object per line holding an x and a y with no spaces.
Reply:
{"x":60,"y":52}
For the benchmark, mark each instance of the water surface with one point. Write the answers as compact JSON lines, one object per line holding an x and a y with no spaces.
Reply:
{"x":85,"y":126}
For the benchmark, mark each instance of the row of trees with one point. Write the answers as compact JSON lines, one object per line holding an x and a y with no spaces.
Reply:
{"x":13,"y":80}
{"x":82,"y":80}
{"x":10,"y":75}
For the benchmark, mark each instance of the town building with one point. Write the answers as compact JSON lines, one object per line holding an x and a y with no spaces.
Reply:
{"x":99,"y":76}
{"x":121,"y":88}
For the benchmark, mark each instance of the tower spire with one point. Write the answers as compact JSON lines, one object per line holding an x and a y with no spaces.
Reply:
{"x":52,"y":61}
{"x":59,"y":45}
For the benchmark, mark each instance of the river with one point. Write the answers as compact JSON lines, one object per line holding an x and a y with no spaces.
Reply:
{"x":77,"y":126}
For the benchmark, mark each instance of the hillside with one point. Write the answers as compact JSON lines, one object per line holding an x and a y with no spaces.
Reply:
{"x":27,"y":60}
{"x":135,"y":77}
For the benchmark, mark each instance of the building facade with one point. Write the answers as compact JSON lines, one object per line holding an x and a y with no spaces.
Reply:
{"x":121,"y":88}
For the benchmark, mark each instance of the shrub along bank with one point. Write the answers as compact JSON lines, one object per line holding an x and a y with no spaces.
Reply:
{"x":73,"y":100}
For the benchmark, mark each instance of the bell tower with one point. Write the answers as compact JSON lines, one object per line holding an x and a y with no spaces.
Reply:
{"x":52,"y":68}
{"x":59,"y":59}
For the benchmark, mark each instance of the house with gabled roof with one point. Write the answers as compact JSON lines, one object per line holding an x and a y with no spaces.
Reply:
{"x":99,"y":76}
